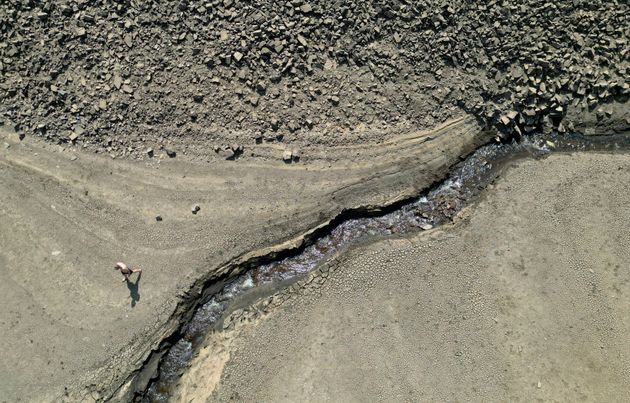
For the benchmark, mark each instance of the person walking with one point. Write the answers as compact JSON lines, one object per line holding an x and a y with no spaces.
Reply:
{"x":126,"y":270}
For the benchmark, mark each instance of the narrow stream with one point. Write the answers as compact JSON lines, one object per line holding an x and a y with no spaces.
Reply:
{"x":433,"y":208}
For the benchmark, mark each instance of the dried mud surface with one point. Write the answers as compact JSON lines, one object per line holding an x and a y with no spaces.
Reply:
{"x":71,"y":328}
{"x":525,"y":297}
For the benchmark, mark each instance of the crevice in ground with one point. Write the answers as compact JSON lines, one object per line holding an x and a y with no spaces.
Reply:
{"x":137,"y":383}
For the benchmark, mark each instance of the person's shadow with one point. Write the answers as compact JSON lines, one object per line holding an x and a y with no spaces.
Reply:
{"x":133,"y":290}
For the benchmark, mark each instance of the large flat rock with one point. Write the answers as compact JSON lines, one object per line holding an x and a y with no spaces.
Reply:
{"x":69,"y":322}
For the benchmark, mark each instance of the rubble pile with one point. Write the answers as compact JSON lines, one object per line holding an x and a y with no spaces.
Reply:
{"x":121,"y":76}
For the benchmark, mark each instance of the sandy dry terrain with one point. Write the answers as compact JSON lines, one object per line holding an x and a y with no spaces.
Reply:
{"x":69,"y":322}
{"x":277,"y":119}
{"x":525,"y":298}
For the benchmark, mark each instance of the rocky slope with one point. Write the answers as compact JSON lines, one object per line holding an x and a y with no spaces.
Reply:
{"x":193,"y":77}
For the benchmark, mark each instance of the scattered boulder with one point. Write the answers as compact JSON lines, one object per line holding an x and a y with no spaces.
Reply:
{"x":295,"y":154}
{"x":170,"y":152}
{"x":287,"y":156}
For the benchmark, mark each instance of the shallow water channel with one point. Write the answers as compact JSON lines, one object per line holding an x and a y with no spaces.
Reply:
{"x":433,"y":208}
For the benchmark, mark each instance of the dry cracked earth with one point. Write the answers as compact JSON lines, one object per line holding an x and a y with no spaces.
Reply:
{"x":196,"y":139}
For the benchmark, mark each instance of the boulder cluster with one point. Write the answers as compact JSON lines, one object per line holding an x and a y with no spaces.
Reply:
{"x":121,"y":76}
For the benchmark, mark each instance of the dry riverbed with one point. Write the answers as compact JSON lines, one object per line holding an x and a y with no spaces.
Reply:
{"x":526,"y":296}
{"x":71,"y":329}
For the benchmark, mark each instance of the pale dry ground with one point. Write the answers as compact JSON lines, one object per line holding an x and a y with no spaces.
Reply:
{"x":526,"y":297}
{"x":66,"y":318}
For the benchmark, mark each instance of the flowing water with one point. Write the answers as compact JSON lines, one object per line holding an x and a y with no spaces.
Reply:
{"x":429,"y":210}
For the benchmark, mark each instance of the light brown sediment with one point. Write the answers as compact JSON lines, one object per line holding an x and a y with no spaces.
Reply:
{"x":96,"y":211}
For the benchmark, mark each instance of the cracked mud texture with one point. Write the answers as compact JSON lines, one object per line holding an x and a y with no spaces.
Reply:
{"x":525,"y":297}
{"x":188,"y":77}
{"x":65,"y":219}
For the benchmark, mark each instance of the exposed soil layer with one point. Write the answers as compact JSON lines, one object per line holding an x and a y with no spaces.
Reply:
{"x":211,"y":78}
{"x":526,"y":296}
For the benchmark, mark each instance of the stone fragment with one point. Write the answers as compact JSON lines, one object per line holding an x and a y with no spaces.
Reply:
{"x":171,"y":153}
{"x":302,"y":40}
{"x":561,"y":128}
{"x":293,"y":126}
{"x":117,"y":81}
{"x":229,"y":154}
{"x":278,"y":46}
{"x":296,"y":154}
{"x":287,"y":156}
